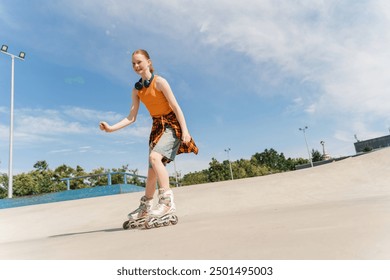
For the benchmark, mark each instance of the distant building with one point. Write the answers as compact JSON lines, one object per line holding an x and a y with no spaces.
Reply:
{"x":372,"y":144}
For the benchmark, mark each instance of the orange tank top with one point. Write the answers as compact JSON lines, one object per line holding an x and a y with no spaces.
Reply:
{"x":154,"y":100}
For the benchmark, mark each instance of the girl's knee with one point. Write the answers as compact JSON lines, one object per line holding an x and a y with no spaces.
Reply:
{"x":154,"y":158}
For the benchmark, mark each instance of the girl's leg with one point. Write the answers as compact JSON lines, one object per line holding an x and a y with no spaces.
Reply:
{"x":166,"y":202}
{"x":150,"y":183}
{"x":159,"y":170}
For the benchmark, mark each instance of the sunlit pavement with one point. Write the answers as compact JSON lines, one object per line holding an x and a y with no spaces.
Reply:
{"x":336,"y":211}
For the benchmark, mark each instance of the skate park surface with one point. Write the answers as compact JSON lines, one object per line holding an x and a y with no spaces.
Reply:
{"x":336,"y":211}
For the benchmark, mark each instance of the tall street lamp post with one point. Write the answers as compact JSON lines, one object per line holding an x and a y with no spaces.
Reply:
{"x":21,"y":56}
{"x":307,"y":146}
{"x":230,"y":164}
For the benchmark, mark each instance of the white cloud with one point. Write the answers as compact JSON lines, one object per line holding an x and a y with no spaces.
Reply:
{"x":60,"y":151}
{"x":317,"y":43}
{"x":47,"y":125}
{"x":85,"y":114}
{"x":341,"y":47}
{"x":45,"y":122}
{"x":311,"y":109}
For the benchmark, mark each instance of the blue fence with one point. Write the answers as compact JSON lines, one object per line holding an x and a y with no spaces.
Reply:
{"x":109,"y":178}
{"x":69,"y":194}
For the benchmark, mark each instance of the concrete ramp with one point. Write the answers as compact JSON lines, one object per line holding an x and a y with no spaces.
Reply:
{"x":336,"y":211}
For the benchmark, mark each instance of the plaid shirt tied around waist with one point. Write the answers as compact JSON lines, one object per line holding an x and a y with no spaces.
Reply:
{"x":158,"y":129}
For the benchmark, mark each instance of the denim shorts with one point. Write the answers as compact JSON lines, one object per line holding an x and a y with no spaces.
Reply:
{"x":167,"y":145}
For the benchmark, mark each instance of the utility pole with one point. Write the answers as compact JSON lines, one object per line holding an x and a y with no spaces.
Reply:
{"x":230,"y":164}
{"x":307,"y":146}
{"x":21,"y":56}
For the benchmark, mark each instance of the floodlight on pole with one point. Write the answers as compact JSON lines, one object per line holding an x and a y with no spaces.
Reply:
{"x":4,"y":48}
{"x":21,"y":56}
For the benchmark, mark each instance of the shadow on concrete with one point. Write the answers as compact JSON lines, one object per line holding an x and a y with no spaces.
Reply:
{"x":86,"y":232}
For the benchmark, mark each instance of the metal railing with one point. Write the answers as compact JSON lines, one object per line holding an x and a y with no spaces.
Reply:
{"x":109,"y":177}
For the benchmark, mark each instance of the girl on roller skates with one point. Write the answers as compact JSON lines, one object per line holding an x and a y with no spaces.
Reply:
{"x":169,"y":136}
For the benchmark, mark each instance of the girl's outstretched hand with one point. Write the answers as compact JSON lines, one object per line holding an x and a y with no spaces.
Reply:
{"x":104,"y":126}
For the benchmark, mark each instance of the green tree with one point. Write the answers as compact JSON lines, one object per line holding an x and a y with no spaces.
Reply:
{"x":218,"y":171}
{"x":272,"y":159}
{"x":25,"y":184}
{"x":214,"y":171}
{"x":64,"y":171}
{"x":118,"y":178}
{"x":316,"y":156}
{"x":193,"y":178}
{"x":292,"y":162}
{"x":100,"y":180}
{"x":267,"y":162}
{"x":3,"y":185}
{"x":135,"y":180}
{"x":246,"y":168}
{"x":47,"y":181}
{"x":41,"y":165}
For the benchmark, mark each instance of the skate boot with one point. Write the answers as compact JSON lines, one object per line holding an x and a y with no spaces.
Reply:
{"x":139,"y":216}
{"x":164,"y":213}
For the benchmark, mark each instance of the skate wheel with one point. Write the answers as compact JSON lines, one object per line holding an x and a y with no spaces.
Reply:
{"x":147,"y":226}
{"x":174,"y":220}
{"x":157,"y":225}
{"x":126,"y":225}
{"x":133,"y":226}
{"x":166,"y":223}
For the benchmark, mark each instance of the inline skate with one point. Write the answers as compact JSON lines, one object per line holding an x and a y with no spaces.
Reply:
{"x":164,"y":213}
{"x":138,"y":217}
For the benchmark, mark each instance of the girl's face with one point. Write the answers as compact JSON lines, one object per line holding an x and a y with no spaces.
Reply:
{"x":141,"y":64}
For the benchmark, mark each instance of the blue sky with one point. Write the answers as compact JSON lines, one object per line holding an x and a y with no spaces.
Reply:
{"x":247,"y":74}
